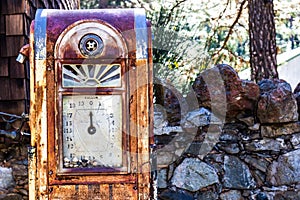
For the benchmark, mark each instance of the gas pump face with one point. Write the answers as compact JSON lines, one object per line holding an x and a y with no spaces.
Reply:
{"x":92,"y":98}
{"x":91,"y":95}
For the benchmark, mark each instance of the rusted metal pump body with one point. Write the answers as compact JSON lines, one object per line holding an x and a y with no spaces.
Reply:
{"x":91,"y":97}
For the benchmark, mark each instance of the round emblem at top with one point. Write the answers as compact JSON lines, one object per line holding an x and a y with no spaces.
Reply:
{"x":91,"y":45}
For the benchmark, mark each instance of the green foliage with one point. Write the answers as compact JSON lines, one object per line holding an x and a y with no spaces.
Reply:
{"x":89,"y":4}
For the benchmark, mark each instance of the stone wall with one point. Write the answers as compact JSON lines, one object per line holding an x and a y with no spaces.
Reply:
{"x":240,"y":141}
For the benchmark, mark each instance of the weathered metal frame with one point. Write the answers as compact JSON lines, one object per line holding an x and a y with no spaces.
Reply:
{"x":89,"y":91}
{"x":61,"y":91}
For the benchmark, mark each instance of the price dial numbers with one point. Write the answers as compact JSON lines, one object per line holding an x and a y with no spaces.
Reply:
{"x":92,"y":131}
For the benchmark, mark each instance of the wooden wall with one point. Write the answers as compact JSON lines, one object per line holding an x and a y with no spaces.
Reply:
{"x":15,"y":19}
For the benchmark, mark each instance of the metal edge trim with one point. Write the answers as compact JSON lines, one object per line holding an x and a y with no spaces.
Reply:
{"x":40,"y":34}
{"x":140,"y":26}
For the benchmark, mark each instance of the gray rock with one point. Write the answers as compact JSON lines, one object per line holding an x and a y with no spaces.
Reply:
{"x":218,"y":158}
{"x":266,"y":145}
{"x":262,"y":196}
{"x":194,"y":148}
{"x":207,"y":195}
{"x":286,"y":170}
{"x":162,"y":178}
{"x":259,"y":177}
{"x":211,"y":138}
{"x":258,"y":163}
{"x":171,"y":148}
{"x":160,"y":119}
{"x":237,"y":174}
{"x":203,"y":144}
{"x":229,"y":137}
{"x":164,"y":158}
{"x":288,"y":195}
{"x":176,"y":195}
{"x":295,"y":140}
{"x":193,"y":174}
{"x":233,"y":131}
{"x":197,"y":118}
{"x":230,"y":148}
{"x":6,"y":178}
{"x":232,"y":195}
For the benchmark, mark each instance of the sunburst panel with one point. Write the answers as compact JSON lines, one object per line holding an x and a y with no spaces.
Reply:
{"x":87,"y":75}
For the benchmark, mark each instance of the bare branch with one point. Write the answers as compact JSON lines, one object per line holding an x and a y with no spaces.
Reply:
{"x":168,"y":18}
{"x":221,"y":13}
{"x":207,"y":43}
{"x":231,"y":27}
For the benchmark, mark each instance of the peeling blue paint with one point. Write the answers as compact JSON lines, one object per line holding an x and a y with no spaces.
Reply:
{"x":141,"y":31}
{"x":40,"y":26}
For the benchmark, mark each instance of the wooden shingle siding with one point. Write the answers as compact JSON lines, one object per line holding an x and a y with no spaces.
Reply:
{"x":14,"y":24}
{"x":19,"y":86}
{"x":4,"y":67}
{"x":19,"y":92}
{"x":13,"y":6}
{"x":2,"y":24}
{"x":5,"y":89}
{"x":27,"y":22}
{"x":11,"y":46}
{"x":15,"y":20}
{"x":18,"y":71}
{"x":18,"y":106}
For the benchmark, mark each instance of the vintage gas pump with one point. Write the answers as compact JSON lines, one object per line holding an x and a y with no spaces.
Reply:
{"x":91,"y":95}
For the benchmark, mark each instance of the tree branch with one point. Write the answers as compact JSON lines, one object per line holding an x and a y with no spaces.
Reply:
{"x":168,"y":18}
{"x":231,"y":27}
{"x":208,"y":41}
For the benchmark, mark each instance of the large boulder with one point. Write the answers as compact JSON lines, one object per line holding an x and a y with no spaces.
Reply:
{"x":277,"y":103}
{"x":286,"y":170}
{"x":193,"y":174}
{"x":221,"y":90}
{"x":237,"y":174}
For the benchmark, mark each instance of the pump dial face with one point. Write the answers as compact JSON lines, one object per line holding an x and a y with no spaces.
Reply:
{"x":92,"y":131}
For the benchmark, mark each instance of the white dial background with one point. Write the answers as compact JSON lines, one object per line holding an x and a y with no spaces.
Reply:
{"x":92,"y":130}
